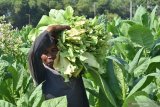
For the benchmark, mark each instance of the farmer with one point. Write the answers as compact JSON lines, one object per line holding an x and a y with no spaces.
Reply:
{"x":41,"y":59}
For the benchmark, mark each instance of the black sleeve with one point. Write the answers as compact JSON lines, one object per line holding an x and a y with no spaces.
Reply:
{"x":35,"y":63}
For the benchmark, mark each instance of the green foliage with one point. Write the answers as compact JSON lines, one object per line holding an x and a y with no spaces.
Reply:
{"x":139,"y":99}
{"x":6,"y":104}
{"x":56,"y":102}
{"x":16,"y":84}
{"x":131,"y":60}
{"x":22,"y":12}
{"x":141,"y":36}
{"x":139,"y":70}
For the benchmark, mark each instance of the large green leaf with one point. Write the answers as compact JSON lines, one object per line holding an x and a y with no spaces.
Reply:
{"x":89,"y":59}
{"x":134,"y":62}
{"x":141,"y":67}
{"x":45,"y":21}
{"x":146,"y":80}
{"x":152,"y":17}
{"x":139,"y":99}
{"x":141,"y":35}
{"x":113,"y":29}
{"x":124,"y":46}
{"x":90,"y":87}
{"x":3,"y":66}
{"x":68,"y":12}
{"x":124,"y":29}
{"x":58,"y":16}
{"x":36,"y":97}
{"x":5,"y":92}
{"x":138,"y":15}
{"x":33,"y":34}
{"x":154,"y":64}
{"x":103,"y":85}
{"x":130,"y":22}
{"x":102,"y":102}
{"x":149,"y":89}
{"x":20,"y":80}
{"x":145,"y":20}
{"x":120,"y":48}
{"x":145,"y":101}
{"x":55,"y":102}
{"x":56,"y":13}
{"x":155,"y":49}
{"x":122,"y":63}
{"x":14,"y":70}
{"x":116,"y":80}
{"x":6,"y":104}
{"x":23,"y":100}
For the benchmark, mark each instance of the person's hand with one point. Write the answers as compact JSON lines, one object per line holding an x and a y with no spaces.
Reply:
{"x":54,"y":29}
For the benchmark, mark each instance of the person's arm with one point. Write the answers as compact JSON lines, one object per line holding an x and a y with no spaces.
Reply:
{"x":35,"y":63}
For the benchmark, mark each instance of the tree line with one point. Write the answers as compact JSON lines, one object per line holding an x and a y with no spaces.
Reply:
{"x":23,"y":12}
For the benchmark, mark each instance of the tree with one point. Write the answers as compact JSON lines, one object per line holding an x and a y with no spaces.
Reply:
{"x":22,"y":12}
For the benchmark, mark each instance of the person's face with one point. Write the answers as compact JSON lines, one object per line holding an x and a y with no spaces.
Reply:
{"x":49,"y":55}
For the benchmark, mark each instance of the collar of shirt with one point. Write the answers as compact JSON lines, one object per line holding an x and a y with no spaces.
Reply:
{"x":53,"y":71}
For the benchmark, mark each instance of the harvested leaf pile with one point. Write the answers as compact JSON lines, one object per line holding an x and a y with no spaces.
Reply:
{"x":83,"y":45}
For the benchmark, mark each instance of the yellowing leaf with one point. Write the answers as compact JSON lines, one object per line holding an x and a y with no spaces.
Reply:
{"x":80,"y":23}
{"x":75,"y":32}
{"x":63,"y":65}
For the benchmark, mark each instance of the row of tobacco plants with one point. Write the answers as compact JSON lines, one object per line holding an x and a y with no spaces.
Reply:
{"x":131,"y":61}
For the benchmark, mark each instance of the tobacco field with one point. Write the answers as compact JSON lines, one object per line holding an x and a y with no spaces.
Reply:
{"x":120,"y":58}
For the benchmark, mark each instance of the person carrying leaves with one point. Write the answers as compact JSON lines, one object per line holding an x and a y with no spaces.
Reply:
{"x":41,"y":58}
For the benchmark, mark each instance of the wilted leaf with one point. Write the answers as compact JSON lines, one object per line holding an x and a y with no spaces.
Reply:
{"x":63,"y":65}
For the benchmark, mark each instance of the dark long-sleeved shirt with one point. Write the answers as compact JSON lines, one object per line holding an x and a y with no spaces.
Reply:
{"x":54,"y":85}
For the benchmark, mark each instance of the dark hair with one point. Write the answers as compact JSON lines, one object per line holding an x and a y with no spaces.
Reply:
{"x":52,"y":41}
